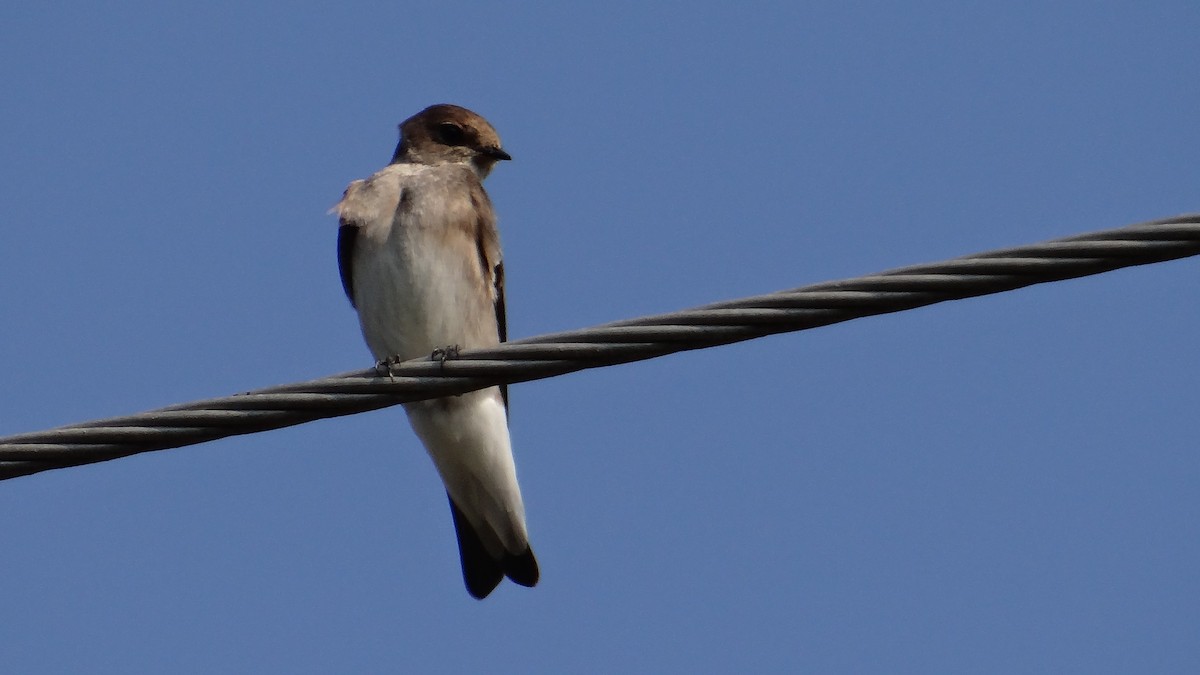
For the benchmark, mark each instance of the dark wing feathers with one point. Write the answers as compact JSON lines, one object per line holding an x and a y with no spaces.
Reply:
{"x":487,"y":246}
{"x":347,"y":234}
{"x":501,"y":322}
{"x":501,"y":318}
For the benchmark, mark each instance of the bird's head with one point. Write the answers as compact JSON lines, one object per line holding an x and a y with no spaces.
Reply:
{"x":444,"y":134}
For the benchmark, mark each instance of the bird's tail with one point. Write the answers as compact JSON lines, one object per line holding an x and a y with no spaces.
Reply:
{"x":482,"y":571}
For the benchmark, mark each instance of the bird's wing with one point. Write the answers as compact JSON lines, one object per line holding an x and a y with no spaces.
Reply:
{"x":487,"y":245}
{"x":349,"y":223}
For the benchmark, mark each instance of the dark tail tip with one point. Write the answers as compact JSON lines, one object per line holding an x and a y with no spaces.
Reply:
{"x":522,"y":569}
{"x":481,"y":572}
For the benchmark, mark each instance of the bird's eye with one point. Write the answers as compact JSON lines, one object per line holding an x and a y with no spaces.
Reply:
{"x":451,"y":134}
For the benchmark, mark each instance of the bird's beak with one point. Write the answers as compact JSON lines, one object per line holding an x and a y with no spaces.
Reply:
{"x":496,"y":153}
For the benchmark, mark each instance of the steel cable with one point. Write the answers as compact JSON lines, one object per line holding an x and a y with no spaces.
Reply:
{"x":619,"y":342}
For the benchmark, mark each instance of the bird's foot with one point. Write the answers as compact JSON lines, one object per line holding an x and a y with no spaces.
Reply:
{"x":386,"y":366}
{"x":444,"y":354}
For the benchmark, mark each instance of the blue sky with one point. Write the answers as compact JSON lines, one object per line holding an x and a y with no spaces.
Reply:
{"x":1005,"y":484}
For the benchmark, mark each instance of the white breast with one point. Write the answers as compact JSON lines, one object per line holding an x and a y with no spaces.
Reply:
{"x":418,"y":281}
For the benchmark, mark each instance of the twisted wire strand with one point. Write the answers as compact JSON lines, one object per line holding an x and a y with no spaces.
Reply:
{"x":609,"y":344}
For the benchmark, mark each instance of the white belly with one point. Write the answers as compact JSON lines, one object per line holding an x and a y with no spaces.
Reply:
{"x":415,"y":295}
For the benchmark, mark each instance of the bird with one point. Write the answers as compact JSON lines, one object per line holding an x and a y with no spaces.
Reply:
{"x":420,"y":261}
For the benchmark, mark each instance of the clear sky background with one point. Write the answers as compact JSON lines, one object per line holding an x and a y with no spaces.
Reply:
{"x":1005,"y":484}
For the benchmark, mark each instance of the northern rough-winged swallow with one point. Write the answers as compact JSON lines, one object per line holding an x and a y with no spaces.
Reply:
{"x":419,"y":256}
